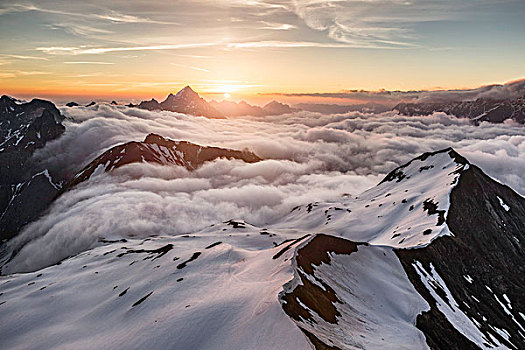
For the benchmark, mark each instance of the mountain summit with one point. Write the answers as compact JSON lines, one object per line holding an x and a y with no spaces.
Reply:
{"x":185,"y":101}
{"x":186,"y":93}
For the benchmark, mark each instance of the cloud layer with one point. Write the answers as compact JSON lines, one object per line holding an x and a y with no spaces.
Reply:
{"x":308,"y":157}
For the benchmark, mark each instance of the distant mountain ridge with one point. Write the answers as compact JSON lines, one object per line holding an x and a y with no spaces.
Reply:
{"x":242,"y":108}
{"x":185,"y":101}
{"x":482,"y":109}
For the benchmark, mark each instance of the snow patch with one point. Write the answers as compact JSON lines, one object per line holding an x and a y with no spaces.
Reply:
{"x":502,"y":203}
{"x":450,"y":308}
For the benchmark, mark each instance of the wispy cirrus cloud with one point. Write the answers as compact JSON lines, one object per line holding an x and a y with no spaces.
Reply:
{"x":13,"y":8}
{"x":376,"y":22}
{"x":22,"y":57}
{"x":18,"y":73}
{"x":189,"y":67}
{"x":65,"y":50}
{"x":78,"y":29}
{"x":117,"y":17}
{"x":89,"y":62}
{"x":331,"y":16}
{"x":277,"y":26}
{"x":4,"y":75}
{"x":299,"y":44}
{"x":32,"y":72}
{"x":56,"y":50}
{"x":112,"y":16}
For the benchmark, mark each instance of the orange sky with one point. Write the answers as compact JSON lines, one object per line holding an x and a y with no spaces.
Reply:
{"x":134,"y":50}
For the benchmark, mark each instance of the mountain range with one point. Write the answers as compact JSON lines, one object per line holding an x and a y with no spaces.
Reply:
{"x":482,"y":109}
{"x":27,"y":189}
{"x":239,"y":109}
{"x":187,"y":101}
{"x":429,"y":258}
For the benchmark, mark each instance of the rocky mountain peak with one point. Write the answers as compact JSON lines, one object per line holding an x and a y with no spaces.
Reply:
{"x":187,"y":91}
{"x":185,"y":101}
{"x":25,"y":188}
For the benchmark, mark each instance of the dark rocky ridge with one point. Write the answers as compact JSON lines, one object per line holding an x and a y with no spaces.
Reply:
{"x":319,"y":297}
{"x":494,"y":111}
{"x":487,"y":246}
{"x":159,"y":150}
{"x":320,"y":300}
{"x":25,"y":189}
{"x":151,"y":105}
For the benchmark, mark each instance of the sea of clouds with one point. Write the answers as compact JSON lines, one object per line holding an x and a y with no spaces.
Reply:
{"x":308,"y":157}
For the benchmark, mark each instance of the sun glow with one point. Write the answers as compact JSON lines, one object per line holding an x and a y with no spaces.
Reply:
{"x":227,"y":95}
{"x":228,"y":88}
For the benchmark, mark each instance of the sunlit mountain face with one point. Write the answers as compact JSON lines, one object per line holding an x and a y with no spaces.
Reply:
{"x":262,"y":175}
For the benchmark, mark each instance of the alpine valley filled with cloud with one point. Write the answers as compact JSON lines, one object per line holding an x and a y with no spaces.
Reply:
{"x":254,"y":204}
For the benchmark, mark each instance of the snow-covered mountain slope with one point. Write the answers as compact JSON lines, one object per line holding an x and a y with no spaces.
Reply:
{"x":25,"y":188}
{"x":159,"y":150}
{"x":470,"y":273}
{"x":407,"y":209}
{"x":348,"y":295}
{"x":430,"y":258}
{"x":162,"y":293}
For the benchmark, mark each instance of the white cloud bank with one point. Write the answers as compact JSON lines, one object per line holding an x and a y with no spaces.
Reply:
{"x":309,"y":157}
